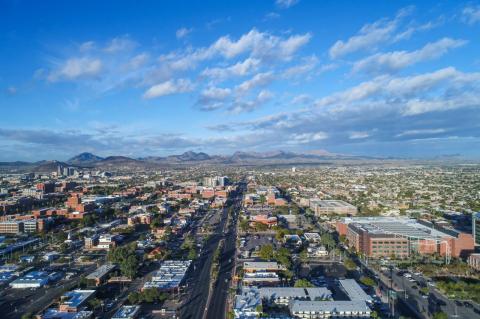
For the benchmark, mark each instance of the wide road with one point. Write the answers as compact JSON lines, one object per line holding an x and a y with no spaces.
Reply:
{"x":195,"y":307}
{"x":216,"y":309}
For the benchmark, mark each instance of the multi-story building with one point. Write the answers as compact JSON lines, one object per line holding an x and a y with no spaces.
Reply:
{"x":11,"y":227}
{"x":47,"y":187}
{"x":74,"y":203}
{"x":476,"y":227}
{"x":328,"y":207}
{"x":401,"y":237}
{"x":215,"y":181}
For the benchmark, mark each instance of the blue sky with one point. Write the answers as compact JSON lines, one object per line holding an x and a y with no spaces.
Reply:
{"x":381,"y":78}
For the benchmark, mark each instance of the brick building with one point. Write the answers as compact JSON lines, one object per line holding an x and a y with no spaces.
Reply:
{"x":386,"y":236}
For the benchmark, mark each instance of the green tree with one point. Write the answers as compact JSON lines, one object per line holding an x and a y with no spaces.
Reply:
{"x":244,"y":225}
{"x":349,"y":264}
{"x":127,"y":259}
{"x":134,"y":297}
{"x":303,"y":256}
{"x":263,"y":199}
{"x":284,"y":257}
{"x":440,"y":315}
{"x":27,"y":315}
{"x":266,"y":252}
{"x":281,"y":232}
{"x":303,"y":283}
{"x":367,"y":281}
{"x":192,"y":253}
{"x":328,"y":241}
{"x":95,"y":303}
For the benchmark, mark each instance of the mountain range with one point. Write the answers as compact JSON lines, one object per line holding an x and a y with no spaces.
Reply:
{"x":89,"y":160}
{"x":190,"y":158}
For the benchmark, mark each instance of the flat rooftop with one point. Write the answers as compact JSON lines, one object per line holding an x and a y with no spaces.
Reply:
{"x":332,"y":307}
{"x":353,"y":290}
{"x":169,"y":275}
{"x":101,"y":271}
{"x":76,"y":298}
{"x":292,"y":292}
{"x":405,"y":227}
{"x":331,"y":203}
{"x":262,"y":265}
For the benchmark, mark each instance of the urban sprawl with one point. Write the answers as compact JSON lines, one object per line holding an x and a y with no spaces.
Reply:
{"x":366,"y":240}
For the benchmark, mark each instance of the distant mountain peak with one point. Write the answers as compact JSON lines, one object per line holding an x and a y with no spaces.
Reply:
{"x":193,"y":156}
{"x":84,"y":157}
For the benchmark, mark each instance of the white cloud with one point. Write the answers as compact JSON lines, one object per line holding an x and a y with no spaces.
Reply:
{"x":421,"y":132}
{"x":285,"y":4}
{"x":241,"y":106}
{"x":168,"y":88}
{"x":260,"y":45}
{"x":405,"y":88}
{"x":86,"y":46}
{"x":264,"y":96}
{"x":423,"y":105}
{"x":260,"y":79}
{"x":307,"y":66}
{"x":304,"y":138}
{"x":358,"y":135}
{"x":213,"y":98}
{"x":118,"y":44}
{"x":215,"y":93}
{"x":397,"y":60}
{"x":271,"y":16}
{"x":471,"y":14}
{"x":369,"y":36}
{"x":183,"y":32}
{"x":242,"y":68}
{"x":301,"y":99}
{"x":139,"y":60}
{"x":76,"y":68}
{"x":407,"y":34}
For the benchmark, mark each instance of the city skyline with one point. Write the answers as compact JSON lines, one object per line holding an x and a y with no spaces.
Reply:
{"x":160,"y":78}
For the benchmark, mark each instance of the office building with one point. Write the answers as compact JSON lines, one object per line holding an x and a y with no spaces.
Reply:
{"x":329,"y":207}
{"x":11,"y":227}
{"x":400,"y":237}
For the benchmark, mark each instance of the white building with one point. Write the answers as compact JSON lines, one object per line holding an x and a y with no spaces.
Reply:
{"x":329,"y":309}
